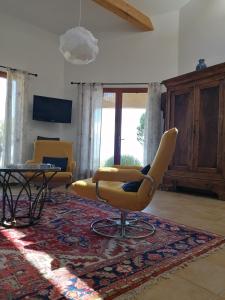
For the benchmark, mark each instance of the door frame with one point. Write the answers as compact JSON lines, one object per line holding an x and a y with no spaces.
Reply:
{"x":3,"y":74}
{"x":118,"y":115}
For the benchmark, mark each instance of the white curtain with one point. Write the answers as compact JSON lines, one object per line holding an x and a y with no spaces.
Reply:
{"x":90,"y":98}
{"x":16,"y":116}
{"x":153,"y":122}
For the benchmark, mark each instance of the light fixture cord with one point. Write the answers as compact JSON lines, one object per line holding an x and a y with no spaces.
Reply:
{"x":80,"y":15}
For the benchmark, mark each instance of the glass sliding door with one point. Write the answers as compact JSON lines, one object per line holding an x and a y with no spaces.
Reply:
{"x":123,"y":126}
{"x":108,"y":130}
{"x":3,"y":86}
{"x":132,"y":128}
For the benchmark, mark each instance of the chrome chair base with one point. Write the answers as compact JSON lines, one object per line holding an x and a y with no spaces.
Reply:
{"x":123,"y":227}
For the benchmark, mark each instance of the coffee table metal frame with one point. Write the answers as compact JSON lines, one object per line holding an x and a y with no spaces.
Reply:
{"x":10,"y":201}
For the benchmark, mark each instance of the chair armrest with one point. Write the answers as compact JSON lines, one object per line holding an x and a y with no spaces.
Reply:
{"x":116,"y":174}
{"x":127,"y":167}
{"x":72,"y":166}
{"x":30,"y":161}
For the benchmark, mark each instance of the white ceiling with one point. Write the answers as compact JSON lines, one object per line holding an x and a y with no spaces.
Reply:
{"x":59,"y":15}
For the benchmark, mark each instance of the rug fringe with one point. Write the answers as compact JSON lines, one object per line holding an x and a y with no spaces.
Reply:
{"x":132,"y":295}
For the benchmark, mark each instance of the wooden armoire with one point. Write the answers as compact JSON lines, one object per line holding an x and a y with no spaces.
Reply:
{"x":195,"y":104}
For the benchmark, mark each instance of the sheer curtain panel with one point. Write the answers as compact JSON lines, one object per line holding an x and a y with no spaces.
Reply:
{"x":90,"y":98}
{"x":153,"y":122}
{"x":16,"y":116}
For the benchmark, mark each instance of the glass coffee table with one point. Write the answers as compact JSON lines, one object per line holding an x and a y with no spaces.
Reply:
{"x":21,"y":205}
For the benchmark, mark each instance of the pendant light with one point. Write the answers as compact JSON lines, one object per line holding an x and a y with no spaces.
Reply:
{"x":78,"y":45}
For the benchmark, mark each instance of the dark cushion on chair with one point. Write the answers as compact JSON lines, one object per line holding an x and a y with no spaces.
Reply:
{"x":47,"y":138}
{"x":145,"y":170}
{"x":57,"y":161}
{"x":133,"y":186}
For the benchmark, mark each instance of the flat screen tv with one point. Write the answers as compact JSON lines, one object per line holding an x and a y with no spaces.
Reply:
{"x":52,"y":109}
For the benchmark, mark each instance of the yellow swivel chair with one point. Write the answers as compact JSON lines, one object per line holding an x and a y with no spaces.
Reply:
{"x":57,"y":149}
{"x":110,"y":191}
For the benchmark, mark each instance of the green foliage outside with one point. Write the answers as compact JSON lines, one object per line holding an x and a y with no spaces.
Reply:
{"x":127,"y":160}
{"x":140,"y":129}
{"x":130,"y":160}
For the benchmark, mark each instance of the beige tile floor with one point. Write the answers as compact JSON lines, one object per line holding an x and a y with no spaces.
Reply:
{"x":203,"y":279}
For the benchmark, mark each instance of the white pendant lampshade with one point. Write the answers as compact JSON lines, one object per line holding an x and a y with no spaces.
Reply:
{"x":79,"y":46}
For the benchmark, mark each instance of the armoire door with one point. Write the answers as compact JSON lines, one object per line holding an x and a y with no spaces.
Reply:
{"x":208,"y":128}
{"x":181,"y":117}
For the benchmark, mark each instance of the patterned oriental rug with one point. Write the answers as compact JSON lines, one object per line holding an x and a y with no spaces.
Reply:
{"x":60,"y":258}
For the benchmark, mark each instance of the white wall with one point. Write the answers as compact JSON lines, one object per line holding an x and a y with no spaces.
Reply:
{"x":132,"y":56}
{"x":129,"y":56}
{"x":29,"y":48}
{"x":202,"y":28}
{"x":125,"y":56}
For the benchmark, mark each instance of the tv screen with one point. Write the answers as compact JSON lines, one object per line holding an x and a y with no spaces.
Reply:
{"x":52,"y":109}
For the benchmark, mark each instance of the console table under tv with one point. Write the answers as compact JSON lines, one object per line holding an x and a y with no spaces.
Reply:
{"x":22,"y":206}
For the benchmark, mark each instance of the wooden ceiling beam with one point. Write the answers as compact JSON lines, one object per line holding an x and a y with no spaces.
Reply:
{"x":128,"y":12}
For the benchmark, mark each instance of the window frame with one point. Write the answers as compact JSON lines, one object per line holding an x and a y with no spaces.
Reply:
{"x":3,"y":74}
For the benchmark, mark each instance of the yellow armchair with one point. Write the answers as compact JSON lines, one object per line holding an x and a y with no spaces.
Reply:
{"x":106,"y":185}
{"x":52,"y":148}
